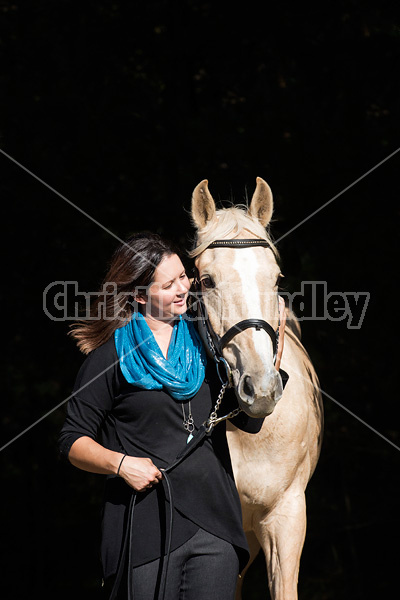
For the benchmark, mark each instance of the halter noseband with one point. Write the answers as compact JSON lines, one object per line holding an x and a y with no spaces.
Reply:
{"x":216,"y":343}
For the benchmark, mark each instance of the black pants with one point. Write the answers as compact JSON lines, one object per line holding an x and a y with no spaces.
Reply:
{"x":203,"y":568}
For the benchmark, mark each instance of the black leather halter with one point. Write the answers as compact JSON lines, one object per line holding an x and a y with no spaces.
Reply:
{"x":216,"y":343}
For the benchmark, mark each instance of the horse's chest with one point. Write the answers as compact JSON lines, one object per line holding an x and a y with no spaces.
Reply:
{"x":263,"y":474}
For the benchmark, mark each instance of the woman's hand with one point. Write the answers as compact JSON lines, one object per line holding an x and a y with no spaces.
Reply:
{"x":282,"y":316}
{"x":139,"y":473}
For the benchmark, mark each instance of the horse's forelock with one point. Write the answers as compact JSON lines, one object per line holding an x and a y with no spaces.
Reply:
{"x":230,"y":223}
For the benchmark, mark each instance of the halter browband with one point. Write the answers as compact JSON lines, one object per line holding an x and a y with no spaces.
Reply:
{"x":239,"y":243}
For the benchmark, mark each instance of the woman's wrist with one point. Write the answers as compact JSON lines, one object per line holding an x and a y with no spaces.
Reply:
{"x":115,"y":462}
{"x":87,"y":454}
{"x":120,"y":464}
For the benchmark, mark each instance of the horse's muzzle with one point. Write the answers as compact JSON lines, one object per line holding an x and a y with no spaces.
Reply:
{"x":259,"y":400}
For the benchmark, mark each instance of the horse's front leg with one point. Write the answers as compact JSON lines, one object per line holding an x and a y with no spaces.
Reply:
{"x":281,"y":534}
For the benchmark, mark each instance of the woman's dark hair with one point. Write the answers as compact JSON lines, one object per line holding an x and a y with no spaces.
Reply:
{"x":132,"y":266}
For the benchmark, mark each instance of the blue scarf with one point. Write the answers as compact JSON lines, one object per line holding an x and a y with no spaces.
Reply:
{"x":143,"y":364}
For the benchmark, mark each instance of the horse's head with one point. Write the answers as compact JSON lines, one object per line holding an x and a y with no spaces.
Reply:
{"x":240,"y":283}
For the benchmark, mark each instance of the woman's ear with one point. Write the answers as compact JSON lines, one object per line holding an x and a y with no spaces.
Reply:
{"x":139,"y":295}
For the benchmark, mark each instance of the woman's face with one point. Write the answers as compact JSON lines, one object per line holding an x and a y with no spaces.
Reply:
{"x":167,"y":294}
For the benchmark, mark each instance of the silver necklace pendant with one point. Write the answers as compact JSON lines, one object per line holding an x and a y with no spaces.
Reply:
{"x":188,"y":422}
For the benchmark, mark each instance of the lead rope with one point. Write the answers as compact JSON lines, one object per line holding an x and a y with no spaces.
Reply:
{"x":163,"y":583}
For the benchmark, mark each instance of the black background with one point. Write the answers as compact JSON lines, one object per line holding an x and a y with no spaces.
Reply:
{"x":123,"y":107}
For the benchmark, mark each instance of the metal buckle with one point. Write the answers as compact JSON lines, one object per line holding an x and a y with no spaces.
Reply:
{"x":228,"y":372}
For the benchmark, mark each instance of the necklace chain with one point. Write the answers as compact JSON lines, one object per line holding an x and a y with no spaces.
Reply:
{"x":188,"y":422}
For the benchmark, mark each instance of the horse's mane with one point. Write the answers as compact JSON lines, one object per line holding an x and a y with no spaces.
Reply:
{"x":230,"y":223}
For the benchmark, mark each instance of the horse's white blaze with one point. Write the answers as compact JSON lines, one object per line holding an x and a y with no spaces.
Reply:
{"x":247,"y":269}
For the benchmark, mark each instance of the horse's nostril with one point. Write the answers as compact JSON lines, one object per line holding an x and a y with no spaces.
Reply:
{"x":248,"y":388}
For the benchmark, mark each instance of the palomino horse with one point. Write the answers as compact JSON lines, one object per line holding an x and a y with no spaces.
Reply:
{"x":271,"y":468}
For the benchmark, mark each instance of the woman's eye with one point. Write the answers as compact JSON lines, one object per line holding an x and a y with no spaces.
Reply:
{"x":207,"y":282}
{"x":169,"y":285}
{"x":279,"y":278}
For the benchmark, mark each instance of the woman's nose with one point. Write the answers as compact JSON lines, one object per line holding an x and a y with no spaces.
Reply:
{"x":184,"y":286}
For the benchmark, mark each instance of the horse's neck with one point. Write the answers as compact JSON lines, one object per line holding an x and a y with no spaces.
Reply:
{"x":293,"y":324}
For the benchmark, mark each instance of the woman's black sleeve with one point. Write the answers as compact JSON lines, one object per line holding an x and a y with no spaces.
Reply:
{"x":91,"y":400}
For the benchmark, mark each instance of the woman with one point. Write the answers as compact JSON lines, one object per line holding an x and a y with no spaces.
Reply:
{"x":144,"y":389}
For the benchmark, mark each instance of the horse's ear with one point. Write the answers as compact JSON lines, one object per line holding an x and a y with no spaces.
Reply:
{"x":262,"y":205}
{"x":203,"y":205}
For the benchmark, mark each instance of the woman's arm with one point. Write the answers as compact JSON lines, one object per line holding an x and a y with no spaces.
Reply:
{"x":89,"y":455}
{"x":87,"y":411}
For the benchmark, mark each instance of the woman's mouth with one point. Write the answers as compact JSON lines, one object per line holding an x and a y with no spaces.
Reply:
{"x":180,"y":302}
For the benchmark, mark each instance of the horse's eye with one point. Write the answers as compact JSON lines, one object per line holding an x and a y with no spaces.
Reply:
{"x":207,"y":282}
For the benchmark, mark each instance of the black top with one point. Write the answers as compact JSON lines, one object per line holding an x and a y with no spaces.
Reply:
{"x":149,"y":423}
